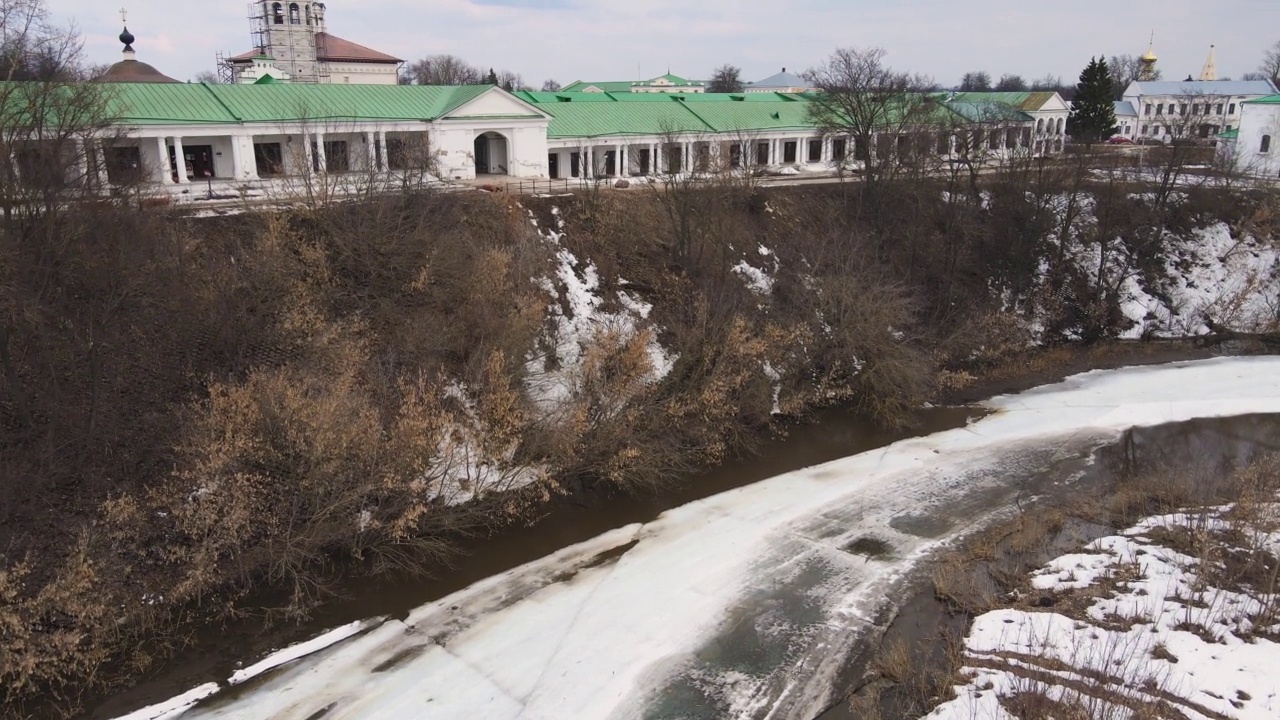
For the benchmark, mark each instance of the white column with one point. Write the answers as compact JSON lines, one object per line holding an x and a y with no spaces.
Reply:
{"x":103,"y":178}
{"x":686,"y":150}
{"x":82,"y":148}
{"x":828,"y":149}
{"x":384,"y":162}
{"x":622,"y":160}
{"x":589,"y":162}
{"x":371,"y":151}
{"x":180,"y":160}
{"x":162,"y":165}
{"x":655,"y":167}
{"x":307,"y":154}
{"x":250,"y":159}
{"x":320,"y":158}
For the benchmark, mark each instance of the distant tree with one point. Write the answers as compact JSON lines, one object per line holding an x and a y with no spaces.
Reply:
{"x":1270,"y":65}
{"x":1011,"y":83}
{"x":1049,"y":82}
{"x":1254,"y":76}
{"x":1124,"y":69}
{"x":726,"y":79}
{"x":207,"y":76}
{"x":977,"y":81}
{"x":1093,"y":115}
{"x":511,"y":81}
{"x":443,"y":70}
{"x":491,"y":78}
{"x":550,"y":86}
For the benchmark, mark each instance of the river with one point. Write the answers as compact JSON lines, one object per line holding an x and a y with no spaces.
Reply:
{"x":745,"y":603}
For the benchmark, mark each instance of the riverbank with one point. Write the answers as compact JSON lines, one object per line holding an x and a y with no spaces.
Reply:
{"x":1161,"y":543}
{"x":826,"y":435}
{"x":276,"y":407}
{"x":828,"y":532}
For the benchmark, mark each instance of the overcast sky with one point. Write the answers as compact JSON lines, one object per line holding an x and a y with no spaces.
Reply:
{"x":613,"y":40}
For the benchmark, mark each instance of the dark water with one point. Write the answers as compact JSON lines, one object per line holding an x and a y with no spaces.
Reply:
{"x":829,"y":435}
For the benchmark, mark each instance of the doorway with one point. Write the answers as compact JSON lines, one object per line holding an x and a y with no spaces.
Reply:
{"x":491,"y":154}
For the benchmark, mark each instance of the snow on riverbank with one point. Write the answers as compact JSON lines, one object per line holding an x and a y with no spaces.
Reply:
{"x":1211,"y":275}
{"x":739,"y":605}
{"x":1162,"y":632}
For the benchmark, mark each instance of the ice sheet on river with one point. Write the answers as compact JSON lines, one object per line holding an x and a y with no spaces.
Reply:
{"x":741,"y":605}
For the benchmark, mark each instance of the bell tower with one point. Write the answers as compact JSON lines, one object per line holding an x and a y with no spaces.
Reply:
{"x":286,"y":31}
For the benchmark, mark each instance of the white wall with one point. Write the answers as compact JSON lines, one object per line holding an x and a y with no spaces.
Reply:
{"x":1257,"y":121}
{"x":351,"y":73}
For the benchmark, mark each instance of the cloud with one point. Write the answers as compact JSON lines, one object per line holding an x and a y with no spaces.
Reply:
{"x":577,"y":39}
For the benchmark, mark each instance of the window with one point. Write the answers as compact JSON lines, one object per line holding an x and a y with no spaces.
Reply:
{"x":735,"y":155}
{"x":294,"y":17}
{"x":1147,"y":111}
{"x":1145,"y":128}
{"x":1219,"y":109}
{"x":1040,"y":125}
{"x":307,"y":8}
{"x":815,"y":151}
{"x":277,"y":11}
{"x":944,"y":143}
{"x":1061,"y":124}
{"x":1231,"y":110}
{"x":1160,"y":109}
{"x":789,"y":150}
{"x":1266,"y":144}
{"x":1182,"y":109}
{"x":993,"y":142}
{"x":837,"y":148}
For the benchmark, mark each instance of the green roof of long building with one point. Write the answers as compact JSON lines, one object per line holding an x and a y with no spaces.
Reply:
{"x":200,"y":103}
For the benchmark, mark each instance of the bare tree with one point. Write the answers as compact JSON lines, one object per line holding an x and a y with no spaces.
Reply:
{"x":863,"y":99}
{"x":1011,"y":83}
{"x":550,"y":85}
{"x":977,"y":81}
{"x":1049,"y":82}
{"x":207,"y":76}
{"x":1124,"y":69}
{"x":444,"y":70}
{"x":726,"y":79}
{"x":52,"y":125}
{"x":1270,"y":65}
{"x":511,"y":81}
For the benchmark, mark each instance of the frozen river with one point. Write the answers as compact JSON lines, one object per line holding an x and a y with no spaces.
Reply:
{"x":742,"y":605}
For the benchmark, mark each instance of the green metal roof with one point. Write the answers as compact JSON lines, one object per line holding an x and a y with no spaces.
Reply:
{"x":608,"y":119}
{"x":744,"y":116}
{"x":1025,"y":101}
{"x":156,"y":103}
{"x":1232,"y":134}
{"x":622,"y":86}
{"x":1268,"y":100}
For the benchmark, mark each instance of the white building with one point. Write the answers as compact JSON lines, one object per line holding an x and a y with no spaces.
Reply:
{"x":783,"y":82}
{"x":1254,"y":147}
{"x":668,"y":84}
{"x":1194,"y":108}
{"x":1126,"y":119}
{"x":294,"y":35}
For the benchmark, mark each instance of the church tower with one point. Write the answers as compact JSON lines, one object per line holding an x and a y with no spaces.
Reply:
{"x":286,"y":31}
{"x":1148,"y":60}
{"x":1210,"y":69}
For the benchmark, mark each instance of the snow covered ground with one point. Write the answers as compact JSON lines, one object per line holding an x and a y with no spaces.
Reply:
{"x":1165,"y":633}
{"x":742,"y":605}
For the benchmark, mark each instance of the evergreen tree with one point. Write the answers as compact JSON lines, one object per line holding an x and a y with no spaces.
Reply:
{"x":492,"y":79}
{"x":1093,"y":116}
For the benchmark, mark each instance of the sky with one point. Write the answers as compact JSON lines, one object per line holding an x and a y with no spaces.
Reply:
{"x":638,"y":39}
